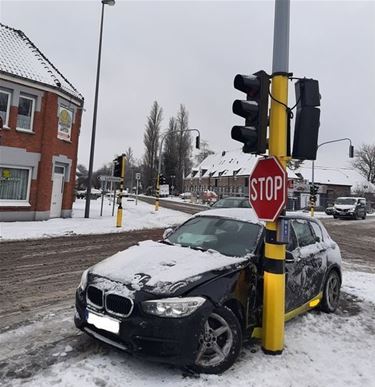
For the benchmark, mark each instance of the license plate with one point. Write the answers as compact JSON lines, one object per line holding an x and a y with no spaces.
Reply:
{"x":103,"y":322}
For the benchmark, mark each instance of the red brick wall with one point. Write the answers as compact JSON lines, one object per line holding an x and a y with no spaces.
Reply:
{"x":44,"y":140}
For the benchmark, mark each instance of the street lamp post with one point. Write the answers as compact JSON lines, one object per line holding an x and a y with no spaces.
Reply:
{"x":159,"y":164}
{"x":93,"y":132}
{"x":351,"y":155}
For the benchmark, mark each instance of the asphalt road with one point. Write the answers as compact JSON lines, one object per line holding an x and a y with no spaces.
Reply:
{"x":38,"y":280}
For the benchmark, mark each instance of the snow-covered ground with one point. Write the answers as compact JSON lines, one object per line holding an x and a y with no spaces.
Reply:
{"x":135,"y":217}
{"x":320,"y":350}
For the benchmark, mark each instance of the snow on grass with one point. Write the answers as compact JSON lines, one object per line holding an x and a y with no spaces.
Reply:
{"x":320,"y":350}
{"x":135,"y":217}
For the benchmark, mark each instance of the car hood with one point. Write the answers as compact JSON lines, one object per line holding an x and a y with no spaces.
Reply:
{"x":344,"y":206}
{"x":163,"y":269}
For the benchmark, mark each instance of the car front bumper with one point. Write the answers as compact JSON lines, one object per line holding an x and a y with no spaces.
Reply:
{"x":167,"y":340}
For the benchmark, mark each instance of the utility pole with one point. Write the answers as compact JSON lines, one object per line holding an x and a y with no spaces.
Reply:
{"x":274,"y":260}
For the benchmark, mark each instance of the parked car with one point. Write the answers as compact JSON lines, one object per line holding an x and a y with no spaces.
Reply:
{"x":232,"y":202}
{"x":350,"y":207}
{"x":192,"y":298}
{"x":185,"y":195}
{"x":329,"y":210}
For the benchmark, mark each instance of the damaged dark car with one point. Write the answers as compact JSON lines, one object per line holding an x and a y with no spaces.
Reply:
{"x":192,"y":298}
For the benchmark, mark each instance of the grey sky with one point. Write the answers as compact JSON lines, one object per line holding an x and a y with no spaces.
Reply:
{"x":189,"y":52}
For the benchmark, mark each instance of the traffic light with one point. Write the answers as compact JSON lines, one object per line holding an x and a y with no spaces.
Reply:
{"x":307,"y":122}
{"x":255,"y":111}
{"x":314,"y":189}
{"x":117,"y":170}
{"x":197,"y":142}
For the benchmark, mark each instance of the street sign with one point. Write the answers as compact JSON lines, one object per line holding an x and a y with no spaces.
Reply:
{"x":267,"y":188}
{"x":110,"y":178}
{"x":137,"y":176}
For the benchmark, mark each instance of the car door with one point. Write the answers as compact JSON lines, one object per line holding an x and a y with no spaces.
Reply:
{"x":311,"y":256}
{"x":293,"y":273}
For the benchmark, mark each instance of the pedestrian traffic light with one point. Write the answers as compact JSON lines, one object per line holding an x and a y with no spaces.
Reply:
{"x":118,"y":166}
{"x":307,"y":122}
{"x":255,"y":111}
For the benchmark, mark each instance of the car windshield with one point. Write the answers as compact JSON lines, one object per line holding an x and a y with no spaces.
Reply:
{"x":345,"y":201}
{"x":232,"y":203}
{"x":227,"y":236}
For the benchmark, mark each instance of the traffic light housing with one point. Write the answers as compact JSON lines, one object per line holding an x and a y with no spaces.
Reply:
{"x":118,"y":166}
{"x":197,"y":142}
{"x":306,"y":129}
{"x":255,"y":111}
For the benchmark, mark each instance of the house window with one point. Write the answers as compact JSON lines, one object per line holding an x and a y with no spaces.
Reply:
{"x":4,"y":106}
{"x":25,"y":117}
{"x":14,"y":184}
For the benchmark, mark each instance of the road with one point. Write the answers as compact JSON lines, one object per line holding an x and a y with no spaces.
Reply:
{"x":38,"y":280}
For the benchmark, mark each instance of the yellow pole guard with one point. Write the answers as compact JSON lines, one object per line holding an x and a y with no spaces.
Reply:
{"x":273,"y":313}
{"x":119,"y":217}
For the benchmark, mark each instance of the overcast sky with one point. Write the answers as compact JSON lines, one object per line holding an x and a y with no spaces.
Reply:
{"x":189,"y":52}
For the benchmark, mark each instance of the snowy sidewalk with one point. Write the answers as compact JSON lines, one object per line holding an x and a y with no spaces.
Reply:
{"x":135,"y":217}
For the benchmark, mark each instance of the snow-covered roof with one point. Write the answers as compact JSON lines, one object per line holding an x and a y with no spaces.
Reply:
{"x":21,"y":58}
{"x":336,"y":176}
{"x":227,"y":163}
{"x":237,"y":163}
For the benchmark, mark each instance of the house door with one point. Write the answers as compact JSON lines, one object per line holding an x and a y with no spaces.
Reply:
{"x":57,"y":192}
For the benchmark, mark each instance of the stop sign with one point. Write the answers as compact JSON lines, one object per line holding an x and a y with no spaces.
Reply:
{"x":267,"y":188}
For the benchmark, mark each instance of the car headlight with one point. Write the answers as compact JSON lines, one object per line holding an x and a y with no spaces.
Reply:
{"x":173,"y":307}
{"x":83,"y":283}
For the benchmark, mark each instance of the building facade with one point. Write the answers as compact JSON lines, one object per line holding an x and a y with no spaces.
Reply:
{"x":41,"y":117}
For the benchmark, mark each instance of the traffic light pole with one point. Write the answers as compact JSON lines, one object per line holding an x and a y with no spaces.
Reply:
{"x":274,"y":260}
{"x":119,"y":199}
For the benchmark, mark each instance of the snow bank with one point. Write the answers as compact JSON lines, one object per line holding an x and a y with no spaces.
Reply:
{"x":135,"y":217}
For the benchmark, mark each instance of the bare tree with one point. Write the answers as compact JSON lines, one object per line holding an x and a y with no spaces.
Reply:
{"x":129,"y":170}
{"x":151,"y":142}
{"x":170,"y":154}
{"x":82,"y":174}
{"x":184,"y":162}
{"x":204,"y":152}
{"x":365,"y":161}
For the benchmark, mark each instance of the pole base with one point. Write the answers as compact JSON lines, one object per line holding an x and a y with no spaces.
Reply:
{"x":119,"y":218}
{"x":269,"y":352}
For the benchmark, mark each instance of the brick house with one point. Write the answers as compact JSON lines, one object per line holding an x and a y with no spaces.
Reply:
{"x":227,"y":174}
{"x":41,"y":114}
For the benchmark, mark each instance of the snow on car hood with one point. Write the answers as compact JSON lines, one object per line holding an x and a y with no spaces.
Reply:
{"x":162,"y":267}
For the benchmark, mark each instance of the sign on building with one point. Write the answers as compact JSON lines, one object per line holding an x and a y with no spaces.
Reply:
{"x":65,"y":122}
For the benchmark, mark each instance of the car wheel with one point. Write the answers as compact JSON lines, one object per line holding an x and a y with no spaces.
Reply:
{"x":219,"y":342}
{"x":331,"y":292}
{"x":335,"y":216}
{"x":364,"y":216}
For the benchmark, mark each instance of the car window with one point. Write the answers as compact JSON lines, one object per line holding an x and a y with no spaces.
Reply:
{"x":228,"y":236}
{"x":317,"y":230}
{"x":303,"y":232}
{"x":292,"y":244}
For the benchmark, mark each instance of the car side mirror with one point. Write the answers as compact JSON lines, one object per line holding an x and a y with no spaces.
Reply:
{"x":289,"y":257}
{"x":167,"y":232}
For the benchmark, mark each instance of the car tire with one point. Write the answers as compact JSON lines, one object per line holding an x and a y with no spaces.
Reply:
{"x":335,"y":216}
{"x":331,"y":292}
{"x":364,"y":216}
{"x":219,"y":343}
